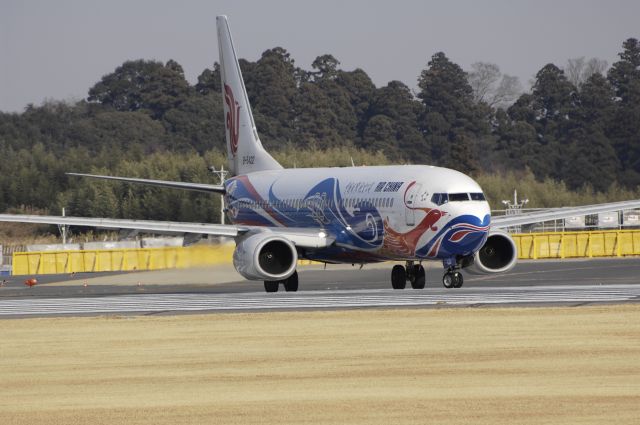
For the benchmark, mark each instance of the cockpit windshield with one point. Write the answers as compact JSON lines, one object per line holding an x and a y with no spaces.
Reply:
{"x":457,"y":197}
{"x":443,"y":198}
{"x":440,"y":198}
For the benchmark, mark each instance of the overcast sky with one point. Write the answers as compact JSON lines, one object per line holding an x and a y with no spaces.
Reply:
{"x":59,"y":49}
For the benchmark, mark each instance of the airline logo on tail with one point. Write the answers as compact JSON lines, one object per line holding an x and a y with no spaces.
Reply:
{"x":233,"y":119}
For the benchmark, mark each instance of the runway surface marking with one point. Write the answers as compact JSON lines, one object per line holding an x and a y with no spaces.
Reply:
{"x":150,"y":303}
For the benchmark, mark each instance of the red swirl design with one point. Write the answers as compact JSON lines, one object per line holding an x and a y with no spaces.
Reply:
{"x":233,"y":119}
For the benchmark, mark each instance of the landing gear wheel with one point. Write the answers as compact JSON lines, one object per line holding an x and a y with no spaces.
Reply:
{"x":291,"y":283}
{"x":457,"y":280}
{"x":398,"y":277}
{"x":271,"y":285}
{"x":448,"y":280}
{"x":419,"y":277}
{"x":452,"y":279}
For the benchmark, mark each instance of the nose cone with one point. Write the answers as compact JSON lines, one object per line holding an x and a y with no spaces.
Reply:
{"x":467,"y":230}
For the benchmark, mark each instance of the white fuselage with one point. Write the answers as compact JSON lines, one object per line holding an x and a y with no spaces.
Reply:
{"x":409,"y":212}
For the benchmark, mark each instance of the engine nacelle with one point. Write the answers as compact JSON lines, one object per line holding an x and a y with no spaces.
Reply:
{"x":499,"y":254}
{"x":265,"y":256}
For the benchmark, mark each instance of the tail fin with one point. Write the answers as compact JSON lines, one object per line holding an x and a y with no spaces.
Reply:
{"x":244,"y":149}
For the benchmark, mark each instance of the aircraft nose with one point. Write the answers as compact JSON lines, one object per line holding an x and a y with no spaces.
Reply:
{"x":468,"y":228}
{"x":470,"y":211}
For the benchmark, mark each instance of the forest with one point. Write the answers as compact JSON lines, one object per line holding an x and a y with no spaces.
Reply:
{"x":573,"y":137}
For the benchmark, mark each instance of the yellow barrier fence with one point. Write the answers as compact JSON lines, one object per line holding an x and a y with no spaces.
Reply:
{"x":54,"y":262}
{"x":597,"y":243}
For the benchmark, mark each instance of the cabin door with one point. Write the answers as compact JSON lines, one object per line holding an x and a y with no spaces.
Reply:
{"x":410,"y":199}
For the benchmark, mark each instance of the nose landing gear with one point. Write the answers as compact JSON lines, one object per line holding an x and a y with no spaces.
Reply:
{"x":452,"y":279}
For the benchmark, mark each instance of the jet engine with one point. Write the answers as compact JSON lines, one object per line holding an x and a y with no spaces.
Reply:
{"x":265,"y":256}
{"x":498,"y":255}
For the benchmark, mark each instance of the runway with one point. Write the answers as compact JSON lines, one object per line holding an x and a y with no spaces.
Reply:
{"x":380,"y":298}
{"x":530,"y":283}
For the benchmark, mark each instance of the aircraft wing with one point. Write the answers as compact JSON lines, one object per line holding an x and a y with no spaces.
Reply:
{"x":201,"y":187}
{"x":560,"y":213}
{"x":302,"y":237}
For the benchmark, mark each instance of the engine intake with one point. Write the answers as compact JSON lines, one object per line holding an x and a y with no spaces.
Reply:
{"x":264,"y":256}
{"x":499,"y":254}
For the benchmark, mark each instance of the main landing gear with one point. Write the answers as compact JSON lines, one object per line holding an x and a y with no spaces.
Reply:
{"x":414,"y":273}
{"x":290,"y":284}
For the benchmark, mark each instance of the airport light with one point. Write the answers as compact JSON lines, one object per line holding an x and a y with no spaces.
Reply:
{"x":516,"y":206}
{"x":63,"y":228}
{"x":222,"y":175}
{"x":513,"y":208}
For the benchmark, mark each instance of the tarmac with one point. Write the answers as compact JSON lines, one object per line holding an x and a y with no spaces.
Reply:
{"x":221,"y":289}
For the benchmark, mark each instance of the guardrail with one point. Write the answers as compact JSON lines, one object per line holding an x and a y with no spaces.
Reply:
{"x":598,"y":243}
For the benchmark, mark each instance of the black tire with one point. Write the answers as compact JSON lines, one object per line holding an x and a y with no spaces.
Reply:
{"x":448,"y":280}
{"x":419,"y":280}
{"x":398,"y":277}
{"x":271,"y":285}
{"x":458,"y":280}
{"x":291,"y":283}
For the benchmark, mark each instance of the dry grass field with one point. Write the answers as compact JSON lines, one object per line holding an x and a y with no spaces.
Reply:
{"x":448,"y":366}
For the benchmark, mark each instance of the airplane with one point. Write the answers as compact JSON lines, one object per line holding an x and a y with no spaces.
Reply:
{"x":355,"y":215}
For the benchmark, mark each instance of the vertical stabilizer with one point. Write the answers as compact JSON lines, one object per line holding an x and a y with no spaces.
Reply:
{"x":244,"y":149}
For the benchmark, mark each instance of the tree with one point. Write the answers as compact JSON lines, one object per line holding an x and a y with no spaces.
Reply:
{"x":450,"y":112}
{"x":624,"y":77}
{"x":316,"y":120}
{"x":359,"y":90}
{"x":149,"y":86}
{"x":554,"y":96}
{"x":518,"y":147}
{"x":272,"y":89}
{"x":490,"y":86}
{"x":326,"y":66}
{"x":578,"y":70}
{"x":196,"y":124}
{"x":592,"y":158}
{"x":380,"y":135}
{"x":589,"y":160}
{"x":555,"y":102}
{"x":396,"y":102}
{"x":209,"y":81}
{"x":324,"y":109}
